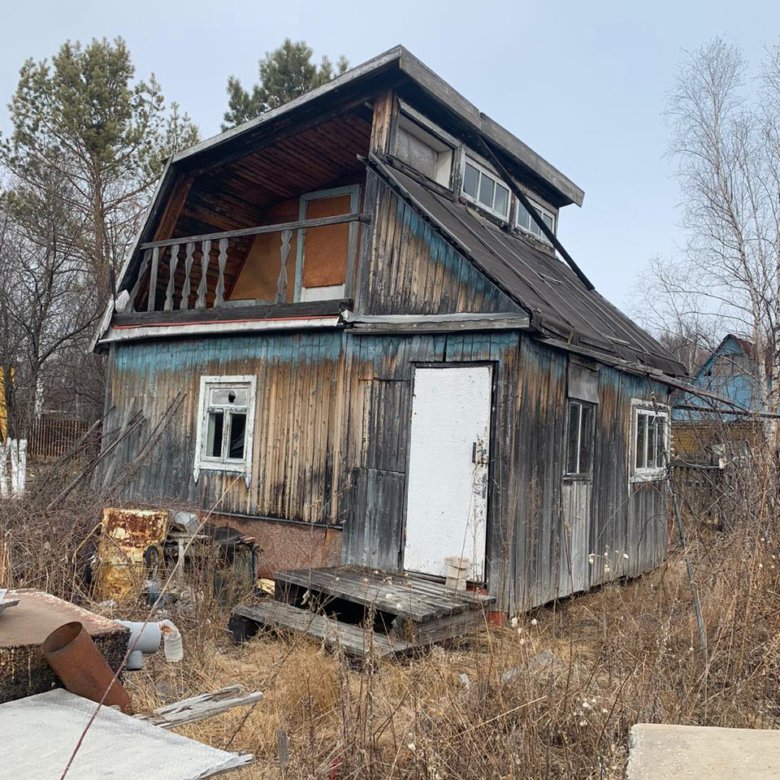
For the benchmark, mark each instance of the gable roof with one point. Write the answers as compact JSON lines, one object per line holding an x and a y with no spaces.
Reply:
{"x":558,"y":302}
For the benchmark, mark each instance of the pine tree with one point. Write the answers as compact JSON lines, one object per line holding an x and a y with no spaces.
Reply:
{"x":285,"y":73}
{"x":83,"y":119}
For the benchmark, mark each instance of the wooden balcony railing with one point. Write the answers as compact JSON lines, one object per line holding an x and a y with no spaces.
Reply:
{"x":190,"y":272}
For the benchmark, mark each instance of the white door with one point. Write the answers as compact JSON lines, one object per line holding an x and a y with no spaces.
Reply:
{"x":446,"y":505}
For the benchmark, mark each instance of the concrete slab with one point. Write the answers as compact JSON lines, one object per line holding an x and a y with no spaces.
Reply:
{"x":40,"y":732}
{"x":668,"y":752}
{"x":23,"y":669}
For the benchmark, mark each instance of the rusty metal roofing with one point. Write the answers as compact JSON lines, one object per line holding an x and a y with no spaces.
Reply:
{"x":559,"y":304}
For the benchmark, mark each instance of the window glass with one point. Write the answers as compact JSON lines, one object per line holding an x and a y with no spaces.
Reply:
{"x":580,"y":433}
{"x":525,"y":221}
{"x":587,"y":428}
{"x":216,"y":422}
{"x":471,"y":180}
{"x":650,"y":439}
{"x":501,"y":202}
{"x":237,"y":435}
{"x":641,"y":430}
{"x":225,"y":428}
{"x":486,"y":187}
{"x":572,"y":439}
{"x":523,"y":217}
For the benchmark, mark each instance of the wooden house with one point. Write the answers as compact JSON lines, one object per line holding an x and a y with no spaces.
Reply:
{"x":709,"y":431}
{"x":349,"y":326}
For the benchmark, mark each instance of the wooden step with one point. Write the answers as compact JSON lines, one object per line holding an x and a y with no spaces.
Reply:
{"x":353,"y":640}
{"x":415,"y":598}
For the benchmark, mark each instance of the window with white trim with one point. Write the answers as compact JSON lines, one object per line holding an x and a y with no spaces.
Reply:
{"x":525,"y":221}
{"x":485,"y":189}
{"x":225,"y":424}
{"x":650,"y":441}
{"x":580,"y":430}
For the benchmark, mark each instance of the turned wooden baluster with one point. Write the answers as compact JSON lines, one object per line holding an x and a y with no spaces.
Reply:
{"x":184,"y":303}
{"x":174,"y":261}
{"x":200,"y":303}
{"x":281,"y":286}
{"x":219,"y":295}
{"x":150,"y":301}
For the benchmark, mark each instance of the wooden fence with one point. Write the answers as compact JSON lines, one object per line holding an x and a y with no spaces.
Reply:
{"x":700,"y":490}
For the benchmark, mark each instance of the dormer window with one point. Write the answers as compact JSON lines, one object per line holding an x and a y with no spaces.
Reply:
{"x":525,"y":221}
{"x":485,"y":188}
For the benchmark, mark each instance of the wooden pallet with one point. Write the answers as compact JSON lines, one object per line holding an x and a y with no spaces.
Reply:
{"x":406,"y":595}
{"x":412,"y":611}
{"x":353,"y":640}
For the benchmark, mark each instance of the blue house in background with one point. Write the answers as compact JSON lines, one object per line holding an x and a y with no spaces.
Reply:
{"x":718,"y":432}
{"x":731,"y":371}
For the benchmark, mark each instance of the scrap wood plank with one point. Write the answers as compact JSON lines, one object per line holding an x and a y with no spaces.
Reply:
{"x":353,"y":640}
{"x":200,"y":707}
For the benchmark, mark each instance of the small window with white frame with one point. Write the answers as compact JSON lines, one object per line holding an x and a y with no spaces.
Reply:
{"x":225,"y":425}
{"x":650,"y":447}
{"x":526,"y":222}
{"x":485,"y":188}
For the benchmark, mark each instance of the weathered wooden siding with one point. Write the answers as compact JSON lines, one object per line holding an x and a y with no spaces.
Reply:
{"x":538,"y":453}
{"x":628,"y":519}
{"x":297,"y":426}
{"x":626,"y":533}
{"x":411,"y":269}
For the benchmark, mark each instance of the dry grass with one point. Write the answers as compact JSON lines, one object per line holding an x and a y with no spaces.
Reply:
{"x":553,"y":696}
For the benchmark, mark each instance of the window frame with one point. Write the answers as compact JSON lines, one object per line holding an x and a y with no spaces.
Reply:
{"x":302,"y":294}
{"x":483,"y":170}
{"x":225,"y":464}
{"x":543,"y":211}
{"x":579,"y":474}
{"x":645,"y":473}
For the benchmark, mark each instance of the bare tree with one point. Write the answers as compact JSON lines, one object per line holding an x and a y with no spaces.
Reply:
{"x":726,"y":142}
{"x":46,"y":299}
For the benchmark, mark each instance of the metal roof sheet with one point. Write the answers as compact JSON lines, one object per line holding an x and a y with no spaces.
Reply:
{"x":558,"y":302}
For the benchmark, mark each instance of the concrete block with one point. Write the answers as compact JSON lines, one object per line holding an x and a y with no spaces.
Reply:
{"x":668,"y":752}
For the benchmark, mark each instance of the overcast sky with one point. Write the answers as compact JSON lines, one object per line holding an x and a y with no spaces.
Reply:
{"x":583,"y":83}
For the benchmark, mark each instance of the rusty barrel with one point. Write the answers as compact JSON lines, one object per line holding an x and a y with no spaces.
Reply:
{"x":80,"y":665}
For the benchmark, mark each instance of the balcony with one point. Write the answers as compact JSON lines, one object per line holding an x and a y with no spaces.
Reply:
{"x":305,"y":261}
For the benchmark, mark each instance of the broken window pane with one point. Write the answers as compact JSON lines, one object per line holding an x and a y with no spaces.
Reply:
{"x":237,"y":435}
{"x":216,"y":424}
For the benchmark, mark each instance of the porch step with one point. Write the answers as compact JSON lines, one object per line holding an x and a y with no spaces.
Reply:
{"x":412,"y":597}
{"x":353,"y":640}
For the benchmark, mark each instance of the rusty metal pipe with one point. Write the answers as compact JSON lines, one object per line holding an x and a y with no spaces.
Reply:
{"x":81,"y":667}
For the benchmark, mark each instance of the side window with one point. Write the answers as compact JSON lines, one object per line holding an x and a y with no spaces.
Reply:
{"x":580,"y":432}
{"x":225,"y":425}
{"x":524,"y":221}
{"x":651,"y":441}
